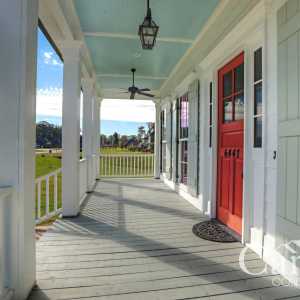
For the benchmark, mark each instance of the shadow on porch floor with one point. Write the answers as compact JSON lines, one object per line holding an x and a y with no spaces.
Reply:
{"x":134,"y":240}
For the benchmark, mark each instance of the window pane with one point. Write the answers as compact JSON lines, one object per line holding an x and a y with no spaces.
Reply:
{"x":239,"y":107}
{"x":210,"y":93}
{"x":227,"y":111}
{"x":258,"y":64}
{"x":258,"y":99}
{"x":239,"y":78}
{"x":184,"y":121}
{"x":227,"y":84}
{"x":258,"y":132}
{"x":184,"y":162}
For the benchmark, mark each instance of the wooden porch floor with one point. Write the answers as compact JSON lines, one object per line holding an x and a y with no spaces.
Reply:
{"x":133,"y":240}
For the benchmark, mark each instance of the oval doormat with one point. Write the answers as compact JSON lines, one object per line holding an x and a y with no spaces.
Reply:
{"x":213,"y":231}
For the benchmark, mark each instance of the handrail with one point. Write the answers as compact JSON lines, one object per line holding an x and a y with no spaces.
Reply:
{"x":48,"y":175}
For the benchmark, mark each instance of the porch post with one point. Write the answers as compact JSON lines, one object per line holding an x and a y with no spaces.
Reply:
{"x":99,"y":136}
{"x":71,"y":128}
{"x":18,"y":40}
{"x":88,"y":102}
{"x":96,"y":136}
{"x":157,"y":140}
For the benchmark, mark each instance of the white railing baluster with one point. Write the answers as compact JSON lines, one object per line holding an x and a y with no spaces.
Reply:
{"x":127,"y":165}
{"x":39,"y":199}
{"x":47,"y":196}
{"x":55,"y":192}
{"x":39,"y":183}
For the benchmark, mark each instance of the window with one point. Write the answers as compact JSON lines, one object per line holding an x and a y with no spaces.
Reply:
{"x":184,"y":118}
{"x":257,"y":98}
{"x":233,"y":95}
{"x":163,"y":141}
{"x":183,"y":137}
{"x":210,"y":113}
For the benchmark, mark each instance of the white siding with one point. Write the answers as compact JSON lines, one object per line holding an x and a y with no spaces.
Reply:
{"x":288,"y":208}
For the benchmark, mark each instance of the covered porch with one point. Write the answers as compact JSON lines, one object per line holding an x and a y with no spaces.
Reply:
{"x":133,"y":240}
{"x":224,"y":76}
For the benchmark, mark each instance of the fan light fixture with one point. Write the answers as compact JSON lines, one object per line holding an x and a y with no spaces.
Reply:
{"x":148,"y":30}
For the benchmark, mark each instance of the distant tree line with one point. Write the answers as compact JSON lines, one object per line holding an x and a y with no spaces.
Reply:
{"x":50,"y":136}
{"x":143,"y":141}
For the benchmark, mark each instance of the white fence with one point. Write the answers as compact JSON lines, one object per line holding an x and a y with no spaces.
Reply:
{"x":126,"y":165}
{"x":48,"y":196}
{"x":5,"y":197}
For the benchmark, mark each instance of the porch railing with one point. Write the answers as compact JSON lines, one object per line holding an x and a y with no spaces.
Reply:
{"x":48,"y":196}
{"x":126,"y":165}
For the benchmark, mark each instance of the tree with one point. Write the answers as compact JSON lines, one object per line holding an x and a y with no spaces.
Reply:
{"x":48,"y":135}
{"x":123,"y":141}
{"x":115,"y":139}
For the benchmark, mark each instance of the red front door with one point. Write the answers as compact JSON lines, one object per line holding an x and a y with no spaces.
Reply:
{"x":231,"y":143}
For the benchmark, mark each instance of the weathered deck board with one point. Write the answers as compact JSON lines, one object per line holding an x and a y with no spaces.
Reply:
{"x":133,"y":240}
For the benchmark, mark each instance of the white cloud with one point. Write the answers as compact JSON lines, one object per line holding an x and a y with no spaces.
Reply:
{"x":49,"y":102}
{"x":50,"y":60}
{"x":128,"y":110}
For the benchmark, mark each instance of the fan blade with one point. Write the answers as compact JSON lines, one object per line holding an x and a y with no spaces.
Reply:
{"x":144,"y":90}
{"x":145,"y":94}
{"x":132,"y":96}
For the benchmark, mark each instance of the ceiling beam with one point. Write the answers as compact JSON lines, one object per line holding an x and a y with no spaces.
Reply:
{"x":130,"y":76}
{"x":136,"y":37}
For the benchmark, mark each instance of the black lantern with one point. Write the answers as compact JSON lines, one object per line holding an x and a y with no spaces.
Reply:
{"x":148,"y":30}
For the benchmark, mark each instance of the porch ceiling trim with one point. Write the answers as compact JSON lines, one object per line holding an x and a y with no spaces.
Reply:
{"x":61,"y":22}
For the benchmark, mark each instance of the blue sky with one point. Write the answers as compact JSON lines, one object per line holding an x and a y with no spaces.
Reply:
{"x":123,"y":116}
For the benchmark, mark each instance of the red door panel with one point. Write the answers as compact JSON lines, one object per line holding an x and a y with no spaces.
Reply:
{"x":231,"y":143}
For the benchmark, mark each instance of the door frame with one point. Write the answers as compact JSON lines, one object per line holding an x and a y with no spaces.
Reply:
{"x":243,"y":41}
{"x":240,"y":59}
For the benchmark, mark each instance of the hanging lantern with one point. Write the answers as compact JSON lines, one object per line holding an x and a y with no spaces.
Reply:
{"x":148,"y":30}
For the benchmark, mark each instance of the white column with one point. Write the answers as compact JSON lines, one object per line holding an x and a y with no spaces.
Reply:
{"x":88,"y":129}
{"x":157,"y":140}
{"x":71,"y":128}
{"x":96,"y":137}
{"x":18,"y":40}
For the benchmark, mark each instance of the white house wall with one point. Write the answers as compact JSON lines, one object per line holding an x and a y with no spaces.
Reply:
{"x":257,"y":29}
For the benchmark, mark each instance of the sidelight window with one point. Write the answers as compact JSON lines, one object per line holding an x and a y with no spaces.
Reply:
{"x":257,"y":95}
